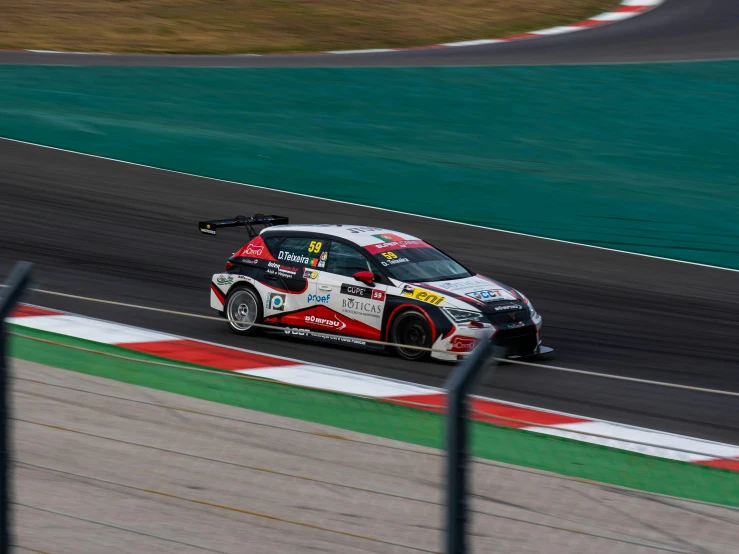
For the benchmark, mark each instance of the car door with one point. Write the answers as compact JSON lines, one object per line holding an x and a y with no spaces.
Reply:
{"x":290,"y":281}
{"x":354,"y":308}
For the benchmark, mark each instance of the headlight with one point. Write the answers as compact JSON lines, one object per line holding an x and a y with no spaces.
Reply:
{"x":464,"y":316}
{"x":529,"y":305}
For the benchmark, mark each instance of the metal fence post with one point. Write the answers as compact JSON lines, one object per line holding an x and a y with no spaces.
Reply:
{"x":18,"y":280}
{"x":458,"y":386}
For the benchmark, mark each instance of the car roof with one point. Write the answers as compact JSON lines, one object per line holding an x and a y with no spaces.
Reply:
{"x":358,"y":234}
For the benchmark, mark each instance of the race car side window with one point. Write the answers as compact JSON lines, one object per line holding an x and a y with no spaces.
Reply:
{"x":305,"y":251}
{"x":346,"y":260}
{"x":273,"y":243}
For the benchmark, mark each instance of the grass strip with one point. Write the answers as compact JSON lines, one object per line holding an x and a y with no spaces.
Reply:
{"x":375,"y":417}
{"x":234,"y":26}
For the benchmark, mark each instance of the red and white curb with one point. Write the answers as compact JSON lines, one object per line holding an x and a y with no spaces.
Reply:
{"x":173,"y":347}
{"x":626,"y":10}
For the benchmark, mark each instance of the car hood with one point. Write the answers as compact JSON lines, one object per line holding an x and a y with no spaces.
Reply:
{"x":477,"y":291}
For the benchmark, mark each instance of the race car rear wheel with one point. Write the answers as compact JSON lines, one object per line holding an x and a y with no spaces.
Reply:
{"x":243,"y":309}
{"x":413,"y":329}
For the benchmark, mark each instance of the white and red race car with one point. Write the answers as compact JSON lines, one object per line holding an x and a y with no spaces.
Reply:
{"x":351,"y":285}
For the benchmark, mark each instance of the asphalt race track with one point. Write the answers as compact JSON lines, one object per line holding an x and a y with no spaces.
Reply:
{"x":121,"y":232}
{"x":676,"y":30}
{"x":110,"y":230}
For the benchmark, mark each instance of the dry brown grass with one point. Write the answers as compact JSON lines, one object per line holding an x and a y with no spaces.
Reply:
{"x":230,"y":26}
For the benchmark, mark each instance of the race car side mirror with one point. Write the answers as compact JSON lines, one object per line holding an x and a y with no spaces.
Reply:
{"x":367,"y":277}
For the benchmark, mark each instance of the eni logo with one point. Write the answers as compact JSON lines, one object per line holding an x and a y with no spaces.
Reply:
{"x":424,"y":296}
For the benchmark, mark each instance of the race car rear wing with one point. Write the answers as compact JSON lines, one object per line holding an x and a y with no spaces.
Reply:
{"x":209,"y":227}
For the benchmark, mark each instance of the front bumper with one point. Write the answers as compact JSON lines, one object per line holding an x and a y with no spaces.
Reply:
{"x":540,"y":351}
{"x":521,"y":340}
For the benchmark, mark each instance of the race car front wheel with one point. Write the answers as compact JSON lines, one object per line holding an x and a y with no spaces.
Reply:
{"x":411,"y":328}
{"x":243,"y":309}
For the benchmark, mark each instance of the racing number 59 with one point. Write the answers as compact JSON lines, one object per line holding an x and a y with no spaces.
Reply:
{"x":315,"y":246}
{"x":389,"y":255}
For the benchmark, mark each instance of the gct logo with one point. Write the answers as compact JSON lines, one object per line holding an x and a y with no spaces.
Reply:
{"x":318,"y":298}
{"x":486,"y":295}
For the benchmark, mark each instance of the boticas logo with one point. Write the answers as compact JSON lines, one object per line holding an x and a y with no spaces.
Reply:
{"x":369,"y":308}
{"x":335,"y":324}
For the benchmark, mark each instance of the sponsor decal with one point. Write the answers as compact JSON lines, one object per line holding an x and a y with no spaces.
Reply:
{"x":359,"y":307}
{"x":348,"y":340}
{"x":508,"y":307}
{"x":334,"y":324}
{"x":296,"y":258}
{"x":378,"y":295}
{"x":389,"y":237}
{"x":318,"y":298}
{"x":423,"y":295}
{"x":363,"y":229}
{"x":354,"y":290}
{"x":253,"y":250}
{"x":281,"y":270}
{"x":391,"y":258}
{"x":455,"y":285}
{"x":336,"y":338}
{"x":384,"y":246}
{"x":207,"y":230}
{"x":225,"y":279}
{"x":490,"y":295}
{"x":309,"y":274}
{"x":275,"y":301}
{"x":245,"y":278}
{"x":515,"y":325}
{"x":298,"y":332}
{"x":321,"y":260}
{"x":252,"y":261}
{"x":463,"y":344}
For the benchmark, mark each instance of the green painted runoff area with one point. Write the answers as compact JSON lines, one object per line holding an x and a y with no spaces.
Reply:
{"x":642,"y":158}
{"x":374,"y":417}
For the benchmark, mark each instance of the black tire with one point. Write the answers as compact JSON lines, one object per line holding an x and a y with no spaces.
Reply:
{"x":412,"y":328}
{"x":243,"y":308}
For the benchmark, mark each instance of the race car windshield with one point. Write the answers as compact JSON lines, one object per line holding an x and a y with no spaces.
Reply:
{"x":420,"y":264}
